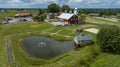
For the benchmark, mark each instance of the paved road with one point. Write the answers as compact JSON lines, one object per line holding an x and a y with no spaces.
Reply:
{"x":9,"y":49}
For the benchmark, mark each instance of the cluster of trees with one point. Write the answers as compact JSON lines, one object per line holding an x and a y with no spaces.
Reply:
{"x":107,"y":12}
{"x":52,"y":8}
{"x":41,"y":15}
{"x":55,"y":8}
{"x":109,"y":39}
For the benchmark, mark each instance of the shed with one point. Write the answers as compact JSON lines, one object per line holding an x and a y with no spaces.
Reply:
{"x":83,"y":39}
{"x":52,"y":15}
{"x":94,"y":14}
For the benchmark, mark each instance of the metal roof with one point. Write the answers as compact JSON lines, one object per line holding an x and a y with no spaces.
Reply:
{"x":83,"y":37}
{"x":65,"y":16}
{"x":22,"y":14}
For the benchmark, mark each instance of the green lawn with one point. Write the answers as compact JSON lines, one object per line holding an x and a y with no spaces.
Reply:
{"x":79,"y":58}
{"x":99,"y":21}
{"x":106,"y":60}
{"x":36,"y":29}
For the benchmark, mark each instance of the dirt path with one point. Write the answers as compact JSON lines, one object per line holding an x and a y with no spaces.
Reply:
{"x":9,"y":49}
{"x":92,"y":30}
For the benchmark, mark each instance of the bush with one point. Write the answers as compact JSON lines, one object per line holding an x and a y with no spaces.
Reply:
{"x":118,"y":17}
{"x":109,"y":39}
{"x":36,"y":18}
{"x":40,"y":18}
{"x":82,"y":17}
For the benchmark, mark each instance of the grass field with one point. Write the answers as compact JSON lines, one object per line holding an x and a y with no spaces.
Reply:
{"x":82,"y":57}
{"x":35,"y":29}
{"x":106,"y":60}
{"x":100,"y":21}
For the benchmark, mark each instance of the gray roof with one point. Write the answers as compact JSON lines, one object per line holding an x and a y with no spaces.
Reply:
{"x":96,"y":14}
{"x":84,"y":37}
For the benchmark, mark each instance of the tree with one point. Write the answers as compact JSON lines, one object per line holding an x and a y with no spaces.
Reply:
{"x":65,"y":8}
{"x":41,"y":11}
{"x":36,"y":18}
{"x":40,"y":18}
{"x":81,"y":11}
{"x":53,"y":8}
{"x":109,"y":39}
{"x":82,"y":17}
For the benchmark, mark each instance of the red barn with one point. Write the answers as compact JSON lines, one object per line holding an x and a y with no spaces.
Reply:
{"x":23,"y":15}
{"x":68,"y":18}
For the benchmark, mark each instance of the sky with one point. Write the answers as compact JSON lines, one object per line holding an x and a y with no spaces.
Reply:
{"x":71,"y":3}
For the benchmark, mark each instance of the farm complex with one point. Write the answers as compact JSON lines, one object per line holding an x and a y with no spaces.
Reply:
{"x":59,"y":36}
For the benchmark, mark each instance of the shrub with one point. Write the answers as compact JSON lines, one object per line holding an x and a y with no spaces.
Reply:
{"x":82,"y":17}
{"x":118,"y":17}
{"x":109,"y":39}
{"x":36,"y":18}
{"x":40,"y":18}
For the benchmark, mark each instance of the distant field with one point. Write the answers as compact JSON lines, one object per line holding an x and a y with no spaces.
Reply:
{"x":99,"y":21}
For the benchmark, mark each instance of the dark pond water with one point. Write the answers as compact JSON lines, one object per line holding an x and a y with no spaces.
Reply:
{"x":43,"y":47}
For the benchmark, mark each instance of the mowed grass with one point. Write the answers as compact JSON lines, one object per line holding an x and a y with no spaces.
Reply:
{"x":99,"y":21}
{"x":106,"y":60}
{"x":11,"y":29}
{"x":3,"y":52}
{"x":23,"y":28}
{"x":74,"y":58}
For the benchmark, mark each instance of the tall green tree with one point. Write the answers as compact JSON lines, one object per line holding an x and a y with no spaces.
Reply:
{"x":39,"y":18}
{"x":109,"y":39}
{"x":40,"y":11}
{"x":65,"y":8}
{"x":53,"y":8}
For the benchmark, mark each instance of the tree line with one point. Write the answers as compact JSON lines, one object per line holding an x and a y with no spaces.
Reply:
{"x":55,"y":8}
{"x":107,"y":12}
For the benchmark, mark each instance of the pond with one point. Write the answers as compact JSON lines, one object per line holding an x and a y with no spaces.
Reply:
{"x":43,"y":47}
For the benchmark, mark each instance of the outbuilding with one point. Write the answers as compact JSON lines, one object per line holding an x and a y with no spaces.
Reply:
{"x":23,"y":15}
{"x":94,"y":15}
{"x":83,"y":39}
